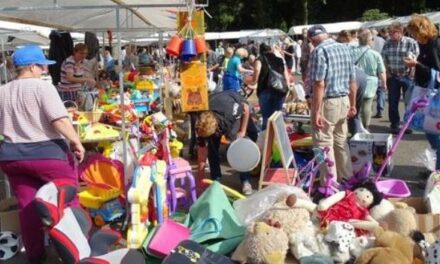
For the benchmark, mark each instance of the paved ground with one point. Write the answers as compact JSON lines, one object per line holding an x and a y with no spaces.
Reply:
{"x":404,"y":168}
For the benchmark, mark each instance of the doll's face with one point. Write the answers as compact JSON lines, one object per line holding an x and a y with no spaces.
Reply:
{"x":363,"y":197}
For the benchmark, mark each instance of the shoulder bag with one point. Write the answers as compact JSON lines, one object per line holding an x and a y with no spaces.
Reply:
{"x":276,"y":80}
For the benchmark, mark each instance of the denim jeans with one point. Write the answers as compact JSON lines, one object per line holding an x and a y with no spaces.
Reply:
{"x":270,"y":101}
{"x":380,"y":106}
{"x":214,"y":153}
{"x":434,"y":141}
{"x":398,"y":86}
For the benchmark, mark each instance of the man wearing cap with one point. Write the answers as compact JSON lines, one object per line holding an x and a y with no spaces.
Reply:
{"x":35,"y":127}
{"x":332,"y":84}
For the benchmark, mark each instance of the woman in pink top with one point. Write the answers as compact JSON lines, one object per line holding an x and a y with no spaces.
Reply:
{"x":35,"y":127}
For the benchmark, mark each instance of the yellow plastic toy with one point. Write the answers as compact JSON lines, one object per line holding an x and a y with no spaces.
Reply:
{"x":137,"y":196}
{"x":145,"y":85}
{"x":144,"y":178}
{"x":94,"y":198}
{"x":175,"y":148}
{"x":100,"y":132}
{"x":231,"y":192}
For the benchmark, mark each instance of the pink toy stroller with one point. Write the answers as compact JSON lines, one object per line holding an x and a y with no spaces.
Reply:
{"x":395,"y":187}
{"x":391,"y":187}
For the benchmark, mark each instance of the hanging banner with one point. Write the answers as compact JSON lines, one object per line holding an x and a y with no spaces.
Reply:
{"x":194,"y":87}
{"x":197,"y":22}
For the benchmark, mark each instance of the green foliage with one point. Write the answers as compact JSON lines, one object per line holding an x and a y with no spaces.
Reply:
{"x":258,"y":14}
{"x":373,"y":14}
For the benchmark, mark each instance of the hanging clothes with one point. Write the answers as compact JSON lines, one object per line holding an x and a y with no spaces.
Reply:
{"x":61,"y":47}
{"x":92,"y":43}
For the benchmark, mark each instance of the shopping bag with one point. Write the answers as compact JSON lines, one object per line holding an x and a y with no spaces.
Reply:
{"x":419,"y":121}
{"x":213,"y":221}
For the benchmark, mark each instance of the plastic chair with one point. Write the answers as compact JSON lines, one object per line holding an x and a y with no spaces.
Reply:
{"x":178,"y":168}
{"x":69,"y":229}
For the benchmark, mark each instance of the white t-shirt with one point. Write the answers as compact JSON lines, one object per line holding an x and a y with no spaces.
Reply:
{"x":27,"y":109}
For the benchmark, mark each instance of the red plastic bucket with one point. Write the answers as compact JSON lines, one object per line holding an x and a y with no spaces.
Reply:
{"x":173,"y":47}
{"x":200,"y":44}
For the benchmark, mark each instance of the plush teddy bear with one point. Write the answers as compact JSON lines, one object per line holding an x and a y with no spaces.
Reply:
{"x":292,"y":212}
{"x":397,"y":217}
{"x":266,"y":243}
{"x":390,"y":247}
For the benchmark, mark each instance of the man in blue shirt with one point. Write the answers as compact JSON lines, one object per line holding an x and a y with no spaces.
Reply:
{"x":332,"y":82}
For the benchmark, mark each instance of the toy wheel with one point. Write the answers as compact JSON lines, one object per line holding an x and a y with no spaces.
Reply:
{"x":98,"y":220}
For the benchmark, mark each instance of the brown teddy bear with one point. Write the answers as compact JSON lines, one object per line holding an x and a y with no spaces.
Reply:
{"x":390,"y":248}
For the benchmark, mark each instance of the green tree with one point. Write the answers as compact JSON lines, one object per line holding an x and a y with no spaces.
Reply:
{"x":373,"y":14}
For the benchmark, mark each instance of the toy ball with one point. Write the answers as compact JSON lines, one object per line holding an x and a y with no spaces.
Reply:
{"x":9,"y":245}
{"x":243,"y":155}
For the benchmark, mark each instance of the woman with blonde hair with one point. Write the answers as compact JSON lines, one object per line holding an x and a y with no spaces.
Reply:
{"x":426,"y":34}
{"x":232,"y":78}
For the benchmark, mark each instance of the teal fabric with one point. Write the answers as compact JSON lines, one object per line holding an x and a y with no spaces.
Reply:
{"x":233,"y":65}
{"x":213,"y":221}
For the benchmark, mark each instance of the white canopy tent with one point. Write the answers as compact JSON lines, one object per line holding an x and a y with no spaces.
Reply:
{"x":330,"y":27}
{"x":127,"y":17}
{"x":337,"y":27}
{"x":92,"y":15}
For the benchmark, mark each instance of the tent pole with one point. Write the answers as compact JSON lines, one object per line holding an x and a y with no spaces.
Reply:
{"x":161,"y":63}
{"x":5,"y":70}
{"x":121,"y":95}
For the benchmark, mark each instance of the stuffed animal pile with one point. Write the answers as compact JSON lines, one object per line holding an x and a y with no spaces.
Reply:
{"x":357,"y":226}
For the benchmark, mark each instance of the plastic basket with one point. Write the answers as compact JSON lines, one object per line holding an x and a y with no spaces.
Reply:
{"x":393,"y":188}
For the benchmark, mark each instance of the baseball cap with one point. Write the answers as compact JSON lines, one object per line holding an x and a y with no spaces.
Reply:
{"x":315,"y":31}
{"x":30,"y":54}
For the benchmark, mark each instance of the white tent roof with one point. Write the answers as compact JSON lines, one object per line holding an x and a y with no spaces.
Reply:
{"x":13,"y":38}
{"x":330,"y":27}
{"x":228,"y":35}
{"x":337,"y":27}
{"x":92,"y":15}
{"x":245,"y":34}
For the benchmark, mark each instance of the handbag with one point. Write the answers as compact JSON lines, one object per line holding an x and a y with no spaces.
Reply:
{"x":190,"y":252}
{"x":426,"y":119}
{"x":276,"y":80}
{"x":167,"y":236}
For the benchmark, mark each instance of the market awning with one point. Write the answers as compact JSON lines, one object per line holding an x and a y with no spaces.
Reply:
{"x":330,"y":27}
{"x":93,"y":15}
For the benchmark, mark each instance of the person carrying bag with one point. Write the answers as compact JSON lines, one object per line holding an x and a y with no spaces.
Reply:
{"x":276,"y":80}
{"x":426,"y":119}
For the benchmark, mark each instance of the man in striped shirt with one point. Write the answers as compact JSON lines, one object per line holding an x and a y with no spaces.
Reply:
{"x":332,"y":80}
{"x":72,"y":74}
{"x":399,"y":80}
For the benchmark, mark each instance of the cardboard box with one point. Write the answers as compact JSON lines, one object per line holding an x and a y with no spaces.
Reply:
{"x":9,"y":215}
{"x":426,"y":222}
{"x":371,"y":148}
